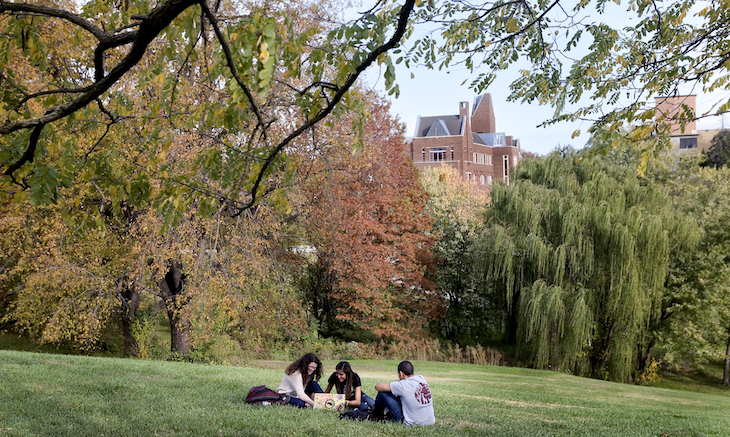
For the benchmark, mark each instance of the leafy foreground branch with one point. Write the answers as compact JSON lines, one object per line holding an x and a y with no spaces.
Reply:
{"x":245,"y":79}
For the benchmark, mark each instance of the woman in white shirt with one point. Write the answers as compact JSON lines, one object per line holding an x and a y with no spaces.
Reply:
{"x":300,"y":380}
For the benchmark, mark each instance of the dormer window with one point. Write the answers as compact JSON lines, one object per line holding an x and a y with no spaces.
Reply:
{"x":438,"y":129}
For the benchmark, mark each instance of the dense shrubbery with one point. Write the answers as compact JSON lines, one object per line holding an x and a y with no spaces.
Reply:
{"x":224,"y":351}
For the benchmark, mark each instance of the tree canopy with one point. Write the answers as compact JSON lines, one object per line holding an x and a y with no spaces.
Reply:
{"x":63,"y":67}
{"x":249,"y":79}
{"x":457,"y":207}
{"x":245,"y":78}
{"x":695,"y":320}
{"x":578,"y":251}
{"x":719,"y":153}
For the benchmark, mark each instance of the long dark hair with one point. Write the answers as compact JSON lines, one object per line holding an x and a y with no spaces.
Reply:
{"x":302,"y":364}
{"x":345,"y":367}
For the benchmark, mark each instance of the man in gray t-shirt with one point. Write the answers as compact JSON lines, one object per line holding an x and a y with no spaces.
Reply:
{"x":408,"y":400}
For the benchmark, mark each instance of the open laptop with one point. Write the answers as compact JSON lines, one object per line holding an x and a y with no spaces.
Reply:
{"x":329,"y":401}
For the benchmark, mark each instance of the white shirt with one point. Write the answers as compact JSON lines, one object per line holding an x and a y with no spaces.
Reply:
{"x":293,"y":385}
{"x":416,"y":400}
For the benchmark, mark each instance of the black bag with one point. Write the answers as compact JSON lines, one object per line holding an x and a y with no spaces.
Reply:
{"x":262,"y":395}
{"x":358,"y":415}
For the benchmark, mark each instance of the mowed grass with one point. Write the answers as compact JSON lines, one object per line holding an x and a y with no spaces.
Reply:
{"x":63,"y":395}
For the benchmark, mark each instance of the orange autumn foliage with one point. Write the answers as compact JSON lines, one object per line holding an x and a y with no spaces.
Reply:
{"x":368,"y":222}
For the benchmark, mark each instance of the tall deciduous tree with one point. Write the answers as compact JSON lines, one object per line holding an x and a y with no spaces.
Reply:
{"x":166,"y":110}
{"x":365,"y":215}
{"x":457,"y":207}
{"x":719,"y":153}
{"x":578,"y":249}
{"x":220,"y":276}
{"x":696,"y":309}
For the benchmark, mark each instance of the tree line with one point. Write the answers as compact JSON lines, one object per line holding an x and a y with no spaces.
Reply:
{"x":592,"y":269}
{"x":218,"y":162}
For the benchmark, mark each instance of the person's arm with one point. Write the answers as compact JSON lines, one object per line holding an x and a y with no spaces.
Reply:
{"x":358,"y":398}
{"x":329,"y":388}
{"x":299,"y":385}
{"x":382,"y":386}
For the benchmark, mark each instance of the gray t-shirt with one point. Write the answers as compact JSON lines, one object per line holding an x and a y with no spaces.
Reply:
{"x":415,"y":398}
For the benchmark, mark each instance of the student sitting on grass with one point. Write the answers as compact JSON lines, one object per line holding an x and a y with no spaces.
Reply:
{"x":300,"y":380}
{"x":348,"y":382}
{"x":408,"y":400}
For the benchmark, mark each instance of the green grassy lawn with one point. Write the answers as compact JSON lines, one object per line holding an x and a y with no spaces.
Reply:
{"x":63,"y":395}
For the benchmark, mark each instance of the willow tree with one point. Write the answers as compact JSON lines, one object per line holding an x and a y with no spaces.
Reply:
{"x":578,"y":251}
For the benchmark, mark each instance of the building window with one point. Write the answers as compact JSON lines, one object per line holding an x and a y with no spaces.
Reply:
{"x":489,"y":159}
{"x":438,"y":154}
{"x":481,"y":179}
{"x":688,"y":143}
{"x":489,"y":179}
{"x":468,"y":176}
{"x":505,"y":173}
{"x":423,"y":152}
{"x":452,"y":153}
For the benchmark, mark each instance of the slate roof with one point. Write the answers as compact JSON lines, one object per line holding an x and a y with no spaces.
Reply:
{"x":478,"y":139}
{"x":476,"y":103}
{"x":453,"y":125}
{"x":429,"y":126}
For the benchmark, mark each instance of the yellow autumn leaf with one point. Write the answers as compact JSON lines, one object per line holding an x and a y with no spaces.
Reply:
{"x":263,"y":52}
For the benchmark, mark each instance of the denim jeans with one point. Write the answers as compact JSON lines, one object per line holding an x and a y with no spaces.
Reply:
{"x":388,"y":401}
{"x":366,"y":402}
{"x":311,"y":388}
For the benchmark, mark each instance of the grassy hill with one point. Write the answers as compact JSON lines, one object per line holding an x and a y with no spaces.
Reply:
{"x":63,"y":395}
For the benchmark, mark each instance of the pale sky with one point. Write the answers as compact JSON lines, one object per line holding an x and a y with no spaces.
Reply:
{"x":433,"y":92}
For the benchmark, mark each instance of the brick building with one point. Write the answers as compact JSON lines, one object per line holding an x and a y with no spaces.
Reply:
{"x":670,"y":114}
{"x":468,"y":142}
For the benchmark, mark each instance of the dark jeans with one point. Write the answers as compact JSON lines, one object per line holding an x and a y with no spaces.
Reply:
{"x":311,"y":388}
{"x":388,"y":401}
{"x":366,"y":402}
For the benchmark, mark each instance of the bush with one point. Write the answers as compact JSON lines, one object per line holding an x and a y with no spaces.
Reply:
{"x":650,"y":373}
{"x":221,"y":349}
{"x":145,"y":329}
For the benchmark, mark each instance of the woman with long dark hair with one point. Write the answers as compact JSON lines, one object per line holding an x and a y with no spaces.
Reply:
{"x":348,"y":382}
{"x":300,"y":380}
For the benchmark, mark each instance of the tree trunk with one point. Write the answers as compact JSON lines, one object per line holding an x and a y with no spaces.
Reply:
{"x":726,"y":373}
{"x":172,"y":292}
{"x":128,"y":296}
{"x":512,"y":318}
{"x":644,"y":354}
{"x":601,"y":351}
